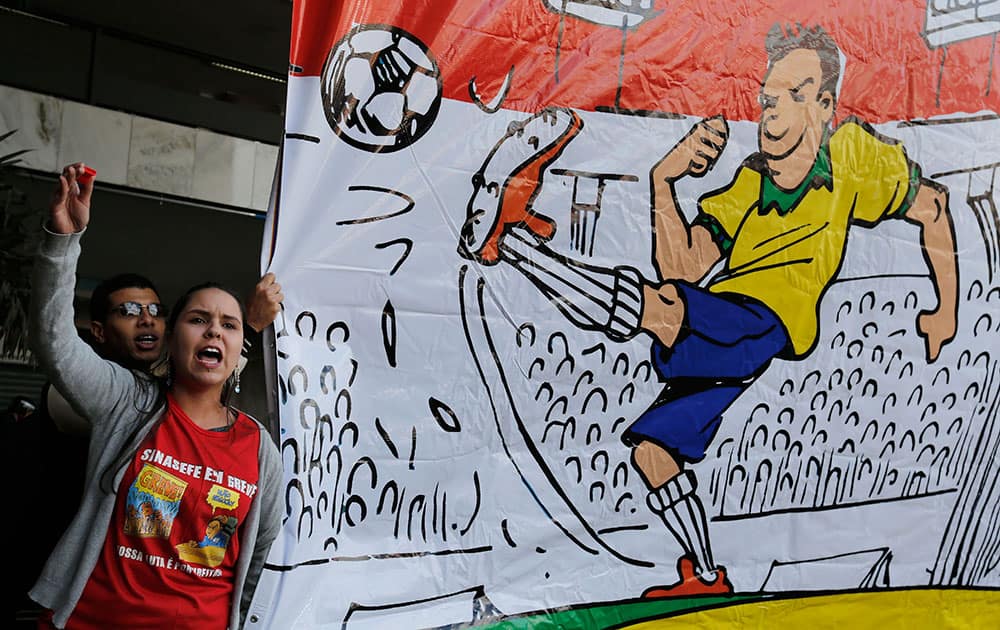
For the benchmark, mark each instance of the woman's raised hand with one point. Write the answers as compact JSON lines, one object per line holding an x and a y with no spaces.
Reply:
{"x":70,"y":208}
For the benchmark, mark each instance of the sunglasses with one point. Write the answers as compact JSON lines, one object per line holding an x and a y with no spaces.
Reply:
{"x":134,"y":309}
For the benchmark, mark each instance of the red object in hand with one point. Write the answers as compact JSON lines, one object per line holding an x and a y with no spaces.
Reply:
{"x":88,"y":175}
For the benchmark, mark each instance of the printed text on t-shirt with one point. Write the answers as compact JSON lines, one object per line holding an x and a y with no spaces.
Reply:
{"x":198,"y":471}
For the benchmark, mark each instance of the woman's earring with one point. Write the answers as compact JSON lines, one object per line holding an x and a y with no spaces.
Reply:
{"x":170,"y":375}
{"x":236,"y":381}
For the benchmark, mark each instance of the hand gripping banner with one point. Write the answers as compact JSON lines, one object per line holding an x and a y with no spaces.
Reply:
{"x":635,"y":313}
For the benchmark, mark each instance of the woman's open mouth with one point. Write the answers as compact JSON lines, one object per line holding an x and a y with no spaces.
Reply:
{"x":210,"y":357}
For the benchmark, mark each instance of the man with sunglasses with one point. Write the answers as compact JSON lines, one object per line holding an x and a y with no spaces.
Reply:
{"x":127,"y":326}
{"x":127,"y":320}
{"x":127,"y":323}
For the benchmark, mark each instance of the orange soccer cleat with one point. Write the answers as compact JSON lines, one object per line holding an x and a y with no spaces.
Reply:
{"x":691,"y":583}
{"x":506,"y":184}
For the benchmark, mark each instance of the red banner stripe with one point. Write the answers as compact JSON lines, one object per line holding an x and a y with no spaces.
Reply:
{"x":696,"y":57}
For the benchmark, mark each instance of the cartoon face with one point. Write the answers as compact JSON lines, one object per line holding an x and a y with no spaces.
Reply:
{"x":794,"y":112}
{"x":213,"y":528}
{"x":132,"y":341}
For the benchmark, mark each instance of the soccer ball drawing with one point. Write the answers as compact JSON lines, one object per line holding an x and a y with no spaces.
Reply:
{"x":381,"y":88}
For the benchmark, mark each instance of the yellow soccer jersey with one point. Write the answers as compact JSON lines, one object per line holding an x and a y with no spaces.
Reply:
{"x":786,"y":255}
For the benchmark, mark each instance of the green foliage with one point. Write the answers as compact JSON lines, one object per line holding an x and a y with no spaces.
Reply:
{"x":19,"y":233}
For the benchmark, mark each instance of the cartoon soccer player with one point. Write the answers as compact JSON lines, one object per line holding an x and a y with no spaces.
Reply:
{"x":780,"y":228}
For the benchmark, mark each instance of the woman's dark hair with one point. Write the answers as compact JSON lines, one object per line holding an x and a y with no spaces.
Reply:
{"x":162,"y":383}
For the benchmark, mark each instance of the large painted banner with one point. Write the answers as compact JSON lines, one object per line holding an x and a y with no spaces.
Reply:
{"x":627,"y":313}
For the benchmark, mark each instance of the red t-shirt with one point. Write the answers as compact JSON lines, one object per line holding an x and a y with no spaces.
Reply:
{"x":174,"y":538}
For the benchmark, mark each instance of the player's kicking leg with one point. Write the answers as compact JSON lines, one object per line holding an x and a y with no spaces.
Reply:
{"x":593,"y":298}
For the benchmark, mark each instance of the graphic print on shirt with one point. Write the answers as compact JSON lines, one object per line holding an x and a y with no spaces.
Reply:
{"x":211,"y":550}
{"x":153,"y":502}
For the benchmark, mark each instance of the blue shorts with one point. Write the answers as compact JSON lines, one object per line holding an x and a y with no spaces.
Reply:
{"x":726,"y":341}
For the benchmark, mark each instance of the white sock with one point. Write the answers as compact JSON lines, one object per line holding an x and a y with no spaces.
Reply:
{"x":592,"y":298}
{"x":677,"y":504}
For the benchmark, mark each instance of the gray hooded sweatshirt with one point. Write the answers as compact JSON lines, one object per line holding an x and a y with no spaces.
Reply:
{"x":120,"y":405}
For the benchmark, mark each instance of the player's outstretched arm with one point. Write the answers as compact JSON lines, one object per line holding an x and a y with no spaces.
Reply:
{"x":680,"y":252}
{"x":937,"y":236}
